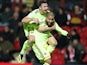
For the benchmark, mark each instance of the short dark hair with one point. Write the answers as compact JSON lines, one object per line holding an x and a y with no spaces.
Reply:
{"x":41,"y":2}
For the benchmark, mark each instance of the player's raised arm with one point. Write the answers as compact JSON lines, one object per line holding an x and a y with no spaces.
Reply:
{"x":60,"y":30}
{"x":30,"y":17}
{"x":26,"y":19}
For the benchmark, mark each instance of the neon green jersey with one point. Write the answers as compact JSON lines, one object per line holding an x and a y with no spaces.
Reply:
{"x":36,"y":14}
{"x":29,"y":26}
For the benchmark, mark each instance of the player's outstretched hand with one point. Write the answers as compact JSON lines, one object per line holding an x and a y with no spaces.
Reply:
{"x":69,"y":36}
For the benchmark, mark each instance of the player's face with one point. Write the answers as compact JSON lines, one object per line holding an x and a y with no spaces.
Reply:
{"x":44,"y":7}
{"x":50,"y":19}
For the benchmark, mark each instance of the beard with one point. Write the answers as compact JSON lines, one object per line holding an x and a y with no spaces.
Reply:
{"x":50,"y":24}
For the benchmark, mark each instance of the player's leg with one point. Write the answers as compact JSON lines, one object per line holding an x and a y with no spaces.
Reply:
{"x":52,"y":44}
{"x":40,"y":51}
{"x":43,"y":59}
{"x":23,"y":51}
{"x":26,"y":46}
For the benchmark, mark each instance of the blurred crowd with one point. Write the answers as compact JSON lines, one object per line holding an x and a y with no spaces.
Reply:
{"x":73,"y":50}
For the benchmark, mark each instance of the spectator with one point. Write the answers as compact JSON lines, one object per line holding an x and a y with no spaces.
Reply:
{"x":72,"y":55}
{"x":35,"y":5}
{"x":16,"y":44}
{"x":25,"y":11}
{"x":77,"y":45}
{"x":77,"y":17}
{"x":1,"y":39}
{"x":6,"y":15}
{"x":4,"y":57}
{"x":61,"y":17}
{"x":17,"y":9}
{"x":13,"y":22}
{"x":17,"y":27}
{"x":7,"y":34}
{"x":74,"y":35}
{"x":6,"y":46}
